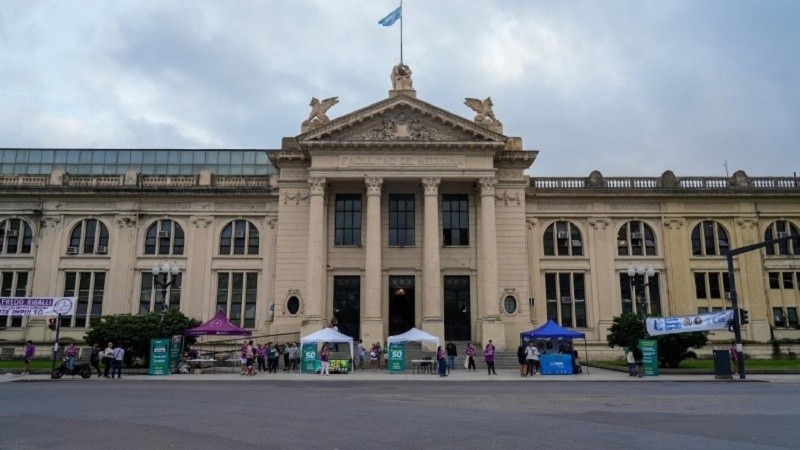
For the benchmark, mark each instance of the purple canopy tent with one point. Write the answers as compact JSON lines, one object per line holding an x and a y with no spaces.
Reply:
{"x":219,"y":325}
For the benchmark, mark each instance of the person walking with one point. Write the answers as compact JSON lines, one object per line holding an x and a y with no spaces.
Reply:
{"x":488,"y":356}
{"x":440,"y":354}
{"x":30,"y":352}
{"x":323,"y":356}
{"x":108,"y":359}
{"x":471,"y":357}
{"x":452,"y":353}
{"x":119,"y":357}
{"x":532,"y":358}
{"x":94,"y":359}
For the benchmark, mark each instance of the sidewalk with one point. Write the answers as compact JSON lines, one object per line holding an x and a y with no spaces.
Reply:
{"x":504,"y":375}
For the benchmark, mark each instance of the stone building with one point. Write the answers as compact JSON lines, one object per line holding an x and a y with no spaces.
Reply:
{"x":399,"y":214}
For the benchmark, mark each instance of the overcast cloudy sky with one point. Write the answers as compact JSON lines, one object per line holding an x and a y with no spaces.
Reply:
{"x":626,"y":87}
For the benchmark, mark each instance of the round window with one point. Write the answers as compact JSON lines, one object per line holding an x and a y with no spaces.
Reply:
{"x":510,"y":304}
{"x":293,"y":305}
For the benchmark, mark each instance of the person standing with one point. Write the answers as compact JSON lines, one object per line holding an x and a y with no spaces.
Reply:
{"x":440,"y":354}
{"x":471,"y":357}
{"x":452,"y":352}
{"x":323,"y":356}
{"x":72,"y":353}
{"x":631,"y":362}
{"x":119,"y":357}
{"x":532,"y":358}
{"x":523,"y":366}
{"x":108,"y":359}
{"x":261,"y":356}
{"x":294,"y":357}
{"x":638,"y":360}
{"x":30,"y":352}
{"x":734,"y":357}
{"x":250,"y":356}
{"x":243,"y":357}
{"x":286,"y":365}
{"x":94,"y":359}
{"x":362,"y":354}
{"x":488,"y":356}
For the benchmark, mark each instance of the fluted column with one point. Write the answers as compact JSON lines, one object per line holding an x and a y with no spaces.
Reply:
{"x":372,"y":323}
{"x":315,"y":274}
{"x":491,"y":325}
{"x":432,"y":308}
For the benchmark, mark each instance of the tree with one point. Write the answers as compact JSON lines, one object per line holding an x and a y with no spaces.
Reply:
{"x":133,"y":333}
{"x":627,"y":329}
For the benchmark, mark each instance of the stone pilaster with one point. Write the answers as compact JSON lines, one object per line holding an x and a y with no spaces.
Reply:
{"x":371,"y":321}
{"x":315,"y":274}
{"x":491,"y":325}
{"x":432,"y":307}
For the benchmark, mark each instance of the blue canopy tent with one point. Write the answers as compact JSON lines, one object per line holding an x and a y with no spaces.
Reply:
{"x":552,"y":330}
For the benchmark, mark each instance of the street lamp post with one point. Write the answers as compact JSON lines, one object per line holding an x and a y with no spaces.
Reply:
{"x":161,"y":279}
{"x":639,"y":278}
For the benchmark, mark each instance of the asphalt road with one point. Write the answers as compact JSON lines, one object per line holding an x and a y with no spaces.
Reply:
{"x":299,"y":414}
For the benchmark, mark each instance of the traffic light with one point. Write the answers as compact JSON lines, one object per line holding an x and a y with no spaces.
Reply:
{"x":52,"y":324}
{"x":731,"y":323}
{"x":744,"y":316}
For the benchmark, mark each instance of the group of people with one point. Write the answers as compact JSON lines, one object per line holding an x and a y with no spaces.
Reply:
{"x":529,"y":360}
{"x":112,"y":358}
{"x":268,"y":356}
{"x":446,"y":358}
{"x":375,"y":354}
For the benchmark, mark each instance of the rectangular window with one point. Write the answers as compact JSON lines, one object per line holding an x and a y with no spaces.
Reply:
{"x":791,"y":316}
{"x":348,"y":219}
{"x":625,"y":289}
{"x":702,"y":310}
{"x":788,"y":280}
{"x":13,"y":284}
{"x":237,"y":293}
{"x":713,"y":285}
{"x":566,"y":298}
{"x":779,"y":317}
{"x":401,"y":219}
{"x":455,"y":219}
{"x":89,"y":288}
{"x":150,"y":296}
{"x":700,"y":285}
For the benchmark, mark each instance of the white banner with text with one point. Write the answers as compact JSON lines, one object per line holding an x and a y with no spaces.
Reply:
{"x":37,"y":306}
{"x":687,"y":324}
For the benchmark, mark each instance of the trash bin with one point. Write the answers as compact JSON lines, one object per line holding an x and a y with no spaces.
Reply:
{"x":722,"y":365}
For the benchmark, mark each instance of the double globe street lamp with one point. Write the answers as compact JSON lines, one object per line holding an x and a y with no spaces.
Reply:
{"x":639,"y":278}
{"x":161,"y":279}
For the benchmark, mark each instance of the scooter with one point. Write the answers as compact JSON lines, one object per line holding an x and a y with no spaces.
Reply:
{"x":84,"y":370}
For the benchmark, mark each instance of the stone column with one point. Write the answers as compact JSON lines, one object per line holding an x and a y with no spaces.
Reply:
{"x":371,"y":321}
{"x":492,"y":326}
{"x":432,"y":307}
{"x":315,"y":273}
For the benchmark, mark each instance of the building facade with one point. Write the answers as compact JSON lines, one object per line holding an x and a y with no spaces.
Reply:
{"x":399,"y":214}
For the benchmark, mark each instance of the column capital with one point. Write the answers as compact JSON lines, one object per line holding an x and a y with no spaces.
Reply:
{"x":318,"y":185}
{"x":431,"y":185}
{"x":374,"y":185}
{"x":487,"y":185}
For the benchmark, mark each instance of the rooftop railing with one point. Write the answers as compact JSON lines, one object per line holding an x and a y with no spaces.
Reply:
{"x":668,"y":180}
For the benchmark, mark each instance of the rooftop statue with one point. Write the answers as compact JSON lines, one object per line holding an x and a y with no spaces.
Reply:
{"x":483,"y":110}
{"x":401,"y":78}
{"x":318,"y":109}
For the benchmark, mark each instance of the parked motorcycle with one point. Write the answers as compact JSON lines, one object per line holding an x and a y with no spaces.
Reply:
{"x":84,"y":370}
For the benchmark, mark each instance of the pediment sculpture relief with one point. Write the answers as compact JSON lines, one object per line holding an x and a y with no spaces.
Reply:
{"x":317,"y":116}
{"x":484,"y":114}
{"x":402,"y":124}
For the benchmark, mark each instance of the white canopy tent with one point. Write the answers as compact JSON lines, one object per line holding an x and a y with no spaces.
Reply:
{"x":414,"y":335}
{"x":328,"y":335}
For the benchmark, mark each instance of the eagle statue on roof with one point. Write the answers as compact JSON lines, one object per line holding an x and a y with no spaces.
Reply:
{"x":483,"y":110}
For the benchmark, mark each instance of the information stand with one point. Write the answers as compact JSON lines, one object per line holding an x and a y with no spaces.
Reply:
{"x":309,"y":358}
{"x":397,"y":362}
{"x":159,"y":357}
{"x":649,"y":349}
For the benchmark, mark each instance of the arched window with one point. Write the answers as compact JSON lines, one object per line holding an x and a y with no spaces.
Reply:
{"x":89,"y":237}
{"x":563,"y":239}
{"x":778,"y":229}
{"x":239,"y":237}
{"x":709,"y":238}
{"x":636,"y":238}
{"x":164,"y":237}
{"x":16,"y":237}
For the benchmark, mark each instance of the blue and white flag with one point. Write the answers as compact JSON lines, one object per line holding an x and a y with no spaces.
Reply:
{"x":684,"y":324}
{"x":392,"y":17}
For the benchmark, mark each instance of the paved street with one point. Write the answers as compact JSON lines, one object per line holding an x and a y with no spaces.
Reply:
{"x":376,"y":410}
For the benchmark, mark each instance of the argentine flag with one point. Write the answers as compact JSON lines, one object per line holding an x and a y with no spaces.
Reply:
{"x":390,"y":19}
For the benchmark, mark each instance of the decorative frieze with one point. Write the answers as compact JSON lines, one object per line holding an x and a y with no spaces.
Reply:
{"x":562,"y":206}
{"x":355,"y":161}
{"x":506,"y":197}
{"x":295,"y":197}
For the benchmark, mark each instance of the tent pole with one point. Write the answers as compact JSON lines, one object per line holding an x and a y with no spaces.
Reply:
{"x":586,"y":354}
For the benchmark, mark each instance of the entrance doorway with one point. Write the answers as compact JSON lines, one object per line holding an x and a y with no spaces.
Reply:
{"x":401,"y":304}
{"x":456,"y":309}
{"x":347,"y":305}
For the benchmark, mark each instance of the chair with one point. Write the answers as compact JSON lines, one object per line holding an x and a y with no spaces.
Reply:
{"x":426,"y":366}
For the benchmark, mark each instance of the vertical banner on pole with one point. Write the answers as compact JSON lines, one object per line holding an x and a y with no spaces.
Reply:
{"x":308,"y":363}
{"x":175,"y":352}
{"x":649,"y":356}
{"x":159,"y":357}
{"x":396,"y":358}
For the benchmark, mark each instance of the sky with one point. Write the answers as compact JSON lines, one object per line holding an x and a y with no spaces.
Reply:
{"x":629,"y":87}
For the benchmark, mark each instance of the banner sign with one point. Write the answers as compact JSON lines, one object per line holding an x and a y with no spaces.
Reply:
{"x":396,"y":358}
{"x":175,"y":352}
{"x":309,"y":357}
{"x":687,"y":324}
{"x":556,"y":364}
{"x":159,"y":357}
{"x":37,"y":306}
{"x":649,"y":349}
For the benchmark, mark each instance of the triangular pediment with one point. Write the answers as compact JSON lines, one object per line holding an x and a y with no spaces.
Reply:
{"x":401,"y":119}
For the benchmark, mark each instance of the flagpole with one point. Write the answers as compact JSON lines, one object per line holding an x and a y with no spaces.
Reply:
{"x":401,"y":32}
